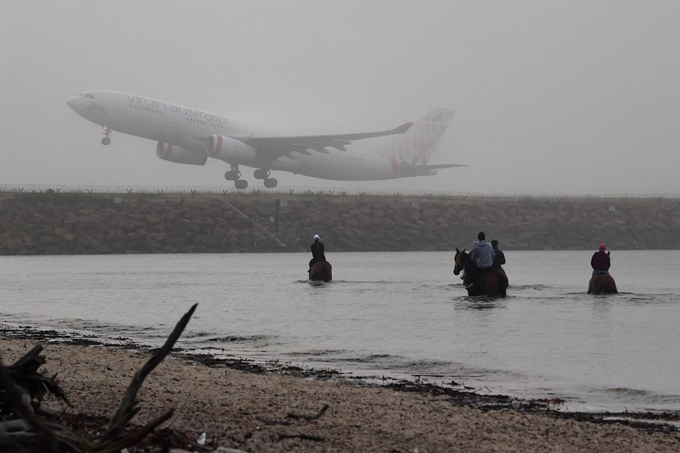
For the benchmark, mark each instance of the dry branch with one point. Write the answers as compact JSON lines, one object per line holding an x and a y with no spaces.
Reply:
{"x":127,"y":407}
{"x":24,"y":373}
{"x":309,"y":418}
{"x":28,"y":433}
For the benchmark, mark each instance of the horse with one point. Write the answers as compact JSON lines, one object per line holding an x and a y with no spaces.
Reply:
{"x":602,"y":284}
{"x":321,"y":270}
{"x":489,"y":282}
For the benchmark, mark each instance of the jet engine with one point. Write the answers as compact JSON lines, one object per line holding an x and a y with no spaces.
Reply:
{"x":179,"y":155}
{"x":230,"y":150}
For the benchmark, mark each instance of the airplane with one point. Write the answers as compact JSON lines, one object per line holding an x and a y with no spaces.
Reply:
{"x":189,"y":136}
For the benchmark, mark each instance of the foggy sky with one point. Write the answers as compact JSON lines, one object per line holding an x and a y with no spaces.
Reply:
{"x":550,"y":97}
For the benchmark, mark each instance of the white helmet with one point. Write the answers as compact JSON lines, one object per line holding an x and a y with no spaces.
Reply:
{"x":316,"y":237}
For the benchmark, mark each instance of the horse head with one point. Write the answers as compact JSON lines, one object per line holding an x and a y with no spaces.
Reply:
{"x":461,"y":260}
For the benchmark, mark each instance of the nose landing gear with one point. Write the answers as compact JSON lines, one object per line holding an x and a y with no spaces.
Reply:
{"x":106,"y":131}
{"x":234,"y":175}
{"x":263,"y":174}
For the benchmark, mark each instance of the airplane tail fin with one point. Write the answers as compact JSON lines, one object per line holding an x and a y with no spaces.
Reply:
{"x":418,"y":144}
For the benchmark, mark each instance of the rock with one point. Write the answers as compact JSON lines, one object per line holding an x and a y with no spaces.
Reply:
{"x":47,"y":224}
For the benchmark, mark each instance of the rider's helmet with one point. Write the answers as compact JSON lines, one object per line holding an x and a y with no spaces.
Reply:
{"x":603,"y":246}
{"x":316,"y":237}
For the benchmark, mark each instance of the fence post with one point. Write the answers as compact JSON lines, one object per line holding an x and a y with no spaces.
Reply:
{"x":21,"y":192}
{"x":277,"y":205}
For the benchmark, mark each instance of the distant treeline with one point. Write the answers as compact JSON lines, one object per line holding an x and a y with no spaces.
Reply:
{"x":64,"y":223}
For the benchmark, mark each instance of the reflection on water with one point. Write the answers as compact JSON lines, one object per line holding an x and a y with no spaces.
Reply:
{"x":387,"y":314}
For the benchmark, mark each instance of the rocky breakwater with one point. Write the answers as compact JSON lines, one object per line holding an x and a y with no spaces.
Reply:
{"x":528,"y":224}
{"x":99,"y":225}
{"x":84,"y":224}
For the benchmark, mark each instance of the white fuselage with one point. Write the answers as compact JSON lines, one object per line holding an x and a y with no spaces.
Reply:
{"x":182,"y":126}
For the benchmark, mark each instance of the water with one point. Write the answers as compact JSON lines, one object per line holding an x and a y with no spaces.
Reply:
{"x":386,"y":314}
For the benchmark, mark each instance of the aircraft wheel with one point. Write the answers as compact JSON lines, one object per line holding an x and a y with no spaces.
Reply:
{"x":106,"y":141}
{"x":241,"y":184}
{"x":231,"y":175}
{"x":260,"y":174}
{"x":270,"y":183}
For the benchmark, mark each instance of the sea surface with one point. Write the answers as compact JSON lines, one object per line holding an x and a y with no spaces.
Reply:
{"x":393,"y":315}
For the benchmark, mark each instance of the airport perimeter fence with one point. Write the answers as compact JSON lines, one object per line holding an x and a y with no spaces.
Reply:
{"x":313,"y":192}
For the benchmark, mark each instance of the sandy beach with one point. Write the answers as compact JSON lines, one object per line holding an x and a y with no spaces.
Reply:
{"x":270,"y":411}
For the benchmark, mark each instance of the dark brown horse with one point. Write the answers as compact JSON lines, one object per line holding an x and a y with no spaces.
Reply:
{"x":602,"y":284}
{"x":490,"y":282}
{"x":321,"y":270}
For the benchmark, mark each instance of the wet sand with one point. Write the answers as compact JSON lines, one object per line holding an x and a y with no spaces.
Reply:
{"x":259,"y":410}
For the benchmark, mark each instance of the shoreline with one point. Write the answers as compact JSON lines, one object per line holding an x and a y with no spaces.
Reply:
{"x":265,"y":394}
{"x":555,"y":400}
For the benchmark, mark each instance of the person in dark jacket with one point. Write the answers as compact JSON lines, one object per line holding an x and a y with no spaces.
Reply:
{"x":600,"y":262}
{"x":498,"y":256}
{"x":317,"y":251}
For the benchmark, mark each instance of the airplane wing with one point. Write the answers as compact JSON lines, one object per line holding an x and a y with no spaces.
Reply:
{"x":276,"y":147}
{"x":407,"y":169}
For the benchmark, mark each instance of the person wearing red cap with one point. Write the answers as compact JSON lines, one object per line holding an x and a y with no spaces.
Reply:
{"x":600,"y":262}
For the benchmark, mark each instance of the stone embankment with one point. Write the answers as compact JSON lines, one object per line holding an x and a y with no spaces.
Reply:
{"x":51,"y":223}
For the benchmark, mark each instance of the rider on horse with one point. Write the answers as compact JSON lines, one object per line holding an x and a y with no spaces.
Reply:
{"x":498,"y":256}
{"x":482,"y":258}
{"x":317,"y":251}
{"x":601,"y":282}
{"x":600,"y":262}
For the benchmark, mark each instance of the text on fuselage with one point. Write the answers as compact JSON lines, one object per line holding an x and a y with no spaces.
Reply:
{"x":160,"y":105}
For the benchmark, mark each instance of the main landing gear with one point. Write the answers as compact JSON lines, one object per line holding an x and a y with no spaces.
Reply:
{"x":261,"y":173}
{"x":233,"y":175}
{"x":106,"y":131}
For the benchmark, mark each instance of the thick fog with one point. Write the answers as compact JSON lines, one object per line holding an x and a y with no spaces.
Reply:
{"x":550,"y":97}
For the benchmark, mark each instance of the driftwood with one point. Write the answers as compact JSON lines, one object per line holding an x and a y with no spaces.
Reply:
{"x":24,"y":373}
{"x":28,"y":433}
{"x":309,"y":418}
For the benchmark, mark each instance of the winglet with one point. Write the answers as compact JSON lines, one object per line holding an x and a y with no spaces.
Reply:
{"x":401,"y":129}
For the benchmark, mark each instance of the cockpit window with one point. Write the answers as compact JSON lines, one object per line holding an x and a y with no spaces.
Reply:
{"x":87,"y":95}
